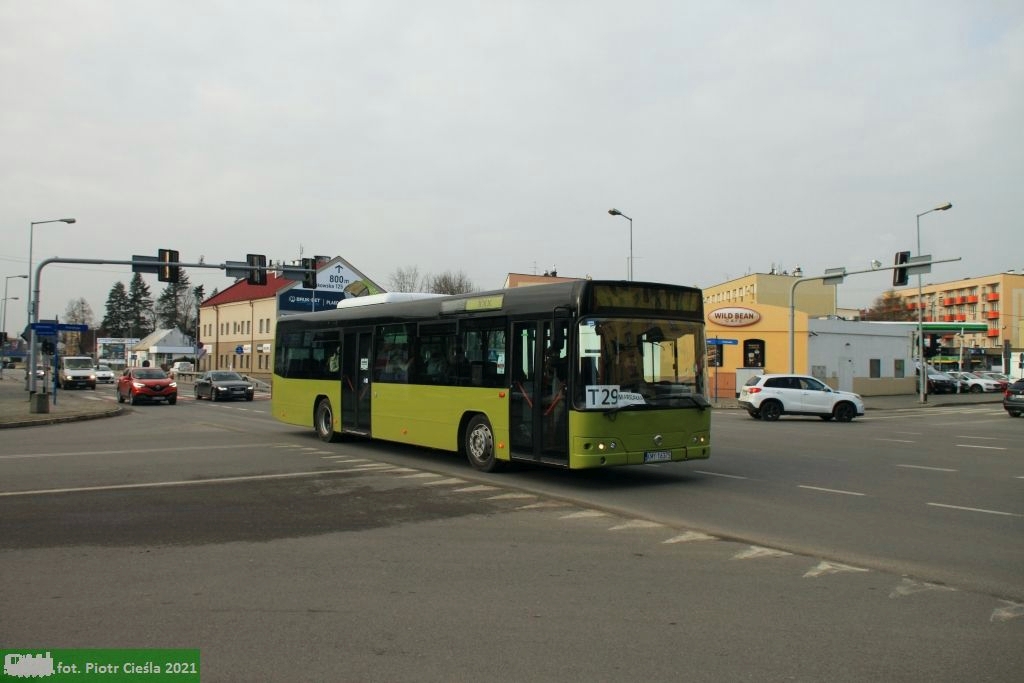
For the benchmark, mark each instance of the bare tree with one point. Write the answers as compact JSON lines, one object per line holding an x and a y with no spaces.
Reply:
{"x":406,"y":280}
{"x":78,"y":311}
{"x":449,"y":283}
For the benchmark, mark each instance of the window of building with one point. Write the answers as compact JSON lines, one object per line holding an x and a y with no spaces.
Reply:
{"x":897,"y":368}
{"x":875,"y":368}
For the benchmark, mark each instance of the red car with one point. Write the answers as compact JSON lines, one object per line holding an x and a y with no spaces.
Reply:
{"x":146,"y":384}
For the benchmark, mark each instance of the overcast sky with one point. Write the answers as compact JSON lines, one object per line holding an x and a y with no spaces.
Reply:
{"x":493,"y":137}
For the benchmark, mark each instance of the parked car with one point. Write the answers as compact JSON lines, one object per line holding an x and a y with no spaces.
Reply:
{"x":104,"y":375}
{"x":999,"y":378}
{"x":223,"y":385}
{"x":146,"y":384}
{"x":1013,"y":398}
{"x":767,"y":397}
{"x":975,"y":383}
{"x":941,"y":383}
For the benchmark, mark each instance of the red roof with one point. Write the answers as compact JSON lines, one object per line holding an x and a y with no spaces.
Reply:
{"x":243,"y":291}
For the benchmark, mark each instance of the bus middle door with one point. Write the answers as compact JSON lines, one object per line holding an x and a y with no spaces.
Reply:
{"x":356,"y":367}
{"x":538,"y":406}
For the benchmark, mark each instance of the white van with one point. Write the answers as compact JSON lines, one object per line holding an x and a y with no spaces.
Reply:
{"x":76,"y":371}
{"x":179,"y":367}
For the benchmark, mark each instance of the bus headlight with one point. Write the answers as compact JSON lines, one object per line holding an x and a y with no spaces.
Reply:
{"x":700,"y":439}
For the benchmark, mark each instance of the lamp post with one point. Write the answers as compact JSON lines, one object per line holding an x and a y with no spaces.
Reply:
{"x":922,"y":371}
{"x":3,"y":316}
{"x":30,"y":374}
{"x":616,"y":212}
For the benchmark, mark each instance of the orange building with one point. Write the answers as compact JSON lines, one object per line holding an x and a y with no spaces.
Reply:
{"x":996,"y":300}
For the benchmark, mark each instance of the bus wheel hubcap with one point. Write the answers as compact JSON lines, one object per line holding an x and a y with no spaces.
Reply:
{"x":480,"y":443}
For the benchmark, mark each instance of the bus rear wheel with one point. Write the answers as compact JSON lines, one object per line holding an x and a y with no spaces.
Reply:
{"x":479,"y":445}
{"x":323,"y":421}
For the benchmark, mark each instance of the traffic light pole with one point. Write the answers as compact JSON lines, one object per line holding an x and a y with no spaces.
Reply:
{"x":835,"y":276}
{"x":139,"y":264}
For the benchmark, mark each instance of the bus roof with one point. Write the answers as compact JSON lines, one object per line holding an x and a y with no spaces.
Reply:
{"x":596,"y":296}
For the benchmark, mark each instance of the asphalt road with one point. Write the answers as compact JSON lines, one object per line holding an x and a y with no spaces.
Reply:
{"x":885,"y":549}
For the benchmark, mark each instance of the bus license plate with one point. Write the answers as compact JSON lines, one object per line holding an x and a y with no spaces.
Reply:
{"x":657,"y":456}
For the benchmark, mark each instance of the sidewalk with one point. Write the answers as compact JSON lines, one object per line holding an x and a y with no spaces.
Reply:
{"x":71,"y":406}
{"x":83,"y":404}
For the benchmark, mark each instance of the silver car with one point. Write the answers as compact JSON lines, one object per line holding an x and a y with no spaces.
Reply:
{"x":104,"y":375}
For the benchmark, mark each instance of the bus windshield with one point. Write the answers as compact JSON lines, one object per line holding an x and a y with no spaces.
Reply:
{"x":636,"y":362}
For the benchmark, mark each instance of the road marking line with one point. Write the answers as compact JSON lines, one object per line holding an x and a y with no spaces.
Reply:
{"x":818,"y":488}
{"x":690,"y":536}
{"x":989,"y":448}
{"x":135,"y":451}
{"x":512,"y":496}
{"x":825,"y":568}
{"x":719,"y":474}
{"x":757,"y":551}
{"x":444,"y":482}
{"x":909,"y":587}
{"x":1009,"y":610}
{"x":167,"y":484}
{"x":923,"y":467}
{"x":582,"y":514}
{"x":986,"y":438}
{"x":421,"y":475}
{"x":476,"y":489}
{"x":967,"y":509}
{"x":897,"y":440}
{"x":636,"y":524}
{"x":542,"y":505}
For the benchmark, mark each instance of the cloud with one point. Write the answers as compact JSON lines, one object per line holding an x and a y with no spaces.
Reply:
{"x":493,"y":138}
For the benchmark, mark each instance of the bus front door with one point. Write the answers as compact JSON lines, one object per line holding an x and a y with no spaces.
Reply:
{"x":538,"y":407}
{"x":355,"y":382}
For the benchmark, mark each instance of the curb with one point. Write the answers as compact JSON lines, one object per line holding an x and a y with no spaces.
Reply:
{"x":57,"y":419}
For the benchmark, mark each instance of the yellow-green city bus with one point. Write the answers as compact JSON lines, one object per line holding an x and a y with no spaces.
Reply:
{"x":571,"y":374}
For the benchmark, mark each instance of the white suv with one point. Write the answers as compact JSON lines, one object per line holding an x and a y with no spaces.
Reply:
{"x":767,"y":397}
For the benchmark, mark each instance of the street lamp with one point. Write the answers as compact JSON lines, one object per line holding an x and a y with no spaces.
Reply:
{"x":3,"y":316}
{"x":616,"y":212}
{"x":30,"y":373}
{"x":922,"y":371}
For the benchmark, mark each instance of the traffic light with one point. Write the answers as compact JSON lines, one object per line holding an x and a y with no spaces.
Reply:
{"x":257,"y":269}
{"x":47,"y":347}
{"x":167,"y":273}
{"x":899,"y":275}
{"x":3,"y":338}
{"x":309,"y":277}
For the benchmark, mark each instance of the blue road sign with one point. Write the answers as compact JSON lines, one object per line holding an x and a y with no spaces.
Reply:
{"x":722,"y":342}
{"x":45,"y":329}
{"x":72,"y":327}
{"x":239,"y":350}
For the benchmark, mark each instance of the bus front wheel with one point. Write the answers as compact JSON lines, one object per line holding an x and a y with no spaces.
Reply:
{"x":323,"y":420}
{"x":479,"y":445}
